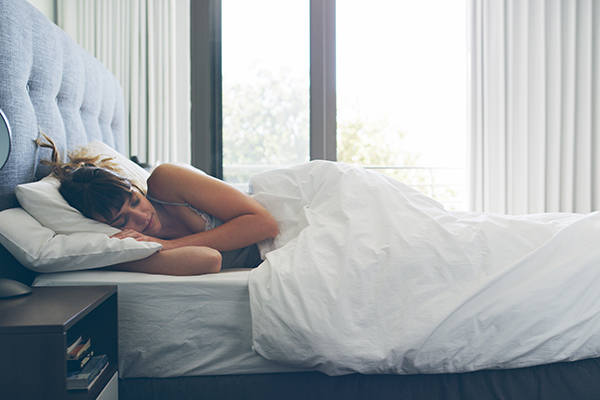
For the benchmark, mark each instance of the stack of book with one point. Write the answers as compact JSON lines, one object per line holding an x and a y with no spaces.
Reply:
{"x":83,"y":367}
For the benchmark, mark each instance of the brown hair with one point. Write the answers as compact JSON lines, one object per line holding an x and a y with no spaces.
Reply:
{"x":89,"y":183}
{"x":76,"y":159}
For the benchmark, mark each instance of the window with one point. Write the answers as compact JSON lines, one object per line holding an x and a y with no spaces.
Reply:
{"x":265,"y":55}
{"x":401,"y":92}
{"x":399,"y":88}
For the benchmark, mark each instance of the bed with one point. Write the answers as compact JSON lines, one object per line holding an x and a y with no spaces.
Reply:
{"x":219,"y":336}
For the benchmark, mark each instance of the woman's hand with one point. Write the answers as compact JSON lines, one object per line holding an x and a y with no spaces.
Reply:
{"x":140,"y":237}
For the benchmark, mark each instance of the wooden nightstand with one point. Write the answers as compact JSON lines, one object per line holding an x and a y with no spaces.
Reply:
{"x":33,"y":340}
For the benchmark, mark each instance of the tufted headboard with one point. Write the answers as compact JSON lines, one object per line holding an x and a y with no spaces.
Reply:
{"x":49,"y":83}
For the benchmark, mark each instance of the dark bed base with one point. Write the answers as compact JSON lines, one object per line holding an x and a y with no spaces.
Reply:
{"x":560,"y":381}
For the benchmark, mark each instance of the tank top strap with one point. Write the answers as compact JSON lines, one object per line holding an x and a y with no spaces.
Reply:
{"x":167,"y":203}
{"x":211,"y":222}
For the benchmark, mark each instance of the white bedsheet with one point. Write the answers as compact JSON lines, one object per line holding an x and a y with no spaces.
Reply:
{"x":368,"y":275}
{"x":179,"y":326}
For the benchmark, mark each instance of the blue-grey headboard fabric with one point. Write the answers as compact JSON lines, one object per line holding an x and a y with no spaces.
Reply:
{"x":49,"y":83}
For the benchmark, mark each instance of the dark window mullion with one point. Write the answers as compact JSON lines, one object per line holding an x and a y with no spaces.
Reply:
{"x":206,"y":86}
{"x":322,"y":80}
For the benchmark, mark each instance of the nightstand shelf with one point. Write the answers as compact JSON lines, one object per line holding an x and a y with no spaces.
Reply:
{"x":33,"y":342}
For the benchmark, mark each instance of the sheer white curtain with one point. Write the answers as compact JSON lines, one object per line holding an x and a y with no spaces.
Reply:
{"x":535,"y":103}
{"x":145,"y":43}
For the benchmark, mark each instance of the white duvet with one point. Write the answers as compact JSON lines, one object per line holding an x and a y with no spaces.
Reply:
{"x":368,"y":275}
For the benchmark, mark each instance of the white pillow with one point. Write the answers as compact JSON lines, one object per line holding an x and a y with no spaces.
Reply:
{"x":45,"y":203}
{"x":52,"y":236}
{"x":41,"y":250}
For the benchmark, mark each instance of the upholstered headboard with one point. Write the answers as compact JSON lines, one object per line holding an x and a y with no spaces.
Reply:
{"x":49,"y":83}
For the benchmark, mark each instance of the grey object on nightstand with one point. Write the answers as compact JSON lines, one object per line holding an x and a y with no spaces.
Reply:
{"x":8,"y":287}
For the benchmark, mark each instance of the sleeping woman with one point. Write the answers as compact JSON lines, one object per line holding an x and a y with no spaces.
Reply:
{"x":202,"y":223}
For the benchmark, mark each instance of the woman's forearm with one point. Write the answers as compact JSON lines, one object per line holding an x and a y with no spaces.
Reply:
{"x":240,"y":232}
{"x":184,"y":261}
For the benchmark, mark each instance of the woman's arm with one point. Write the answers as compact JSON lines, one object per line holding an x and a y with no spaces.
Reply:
{"x":245,"y":221}
{"x":182,"y":261}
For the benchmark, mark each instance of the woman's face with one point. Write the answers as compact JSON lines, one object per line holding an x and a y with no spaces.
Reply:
{"x":137,"y":214}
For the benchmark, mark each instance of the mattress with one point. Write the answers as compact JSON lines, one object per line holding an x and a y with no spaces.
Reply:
{"x":173,"y":326}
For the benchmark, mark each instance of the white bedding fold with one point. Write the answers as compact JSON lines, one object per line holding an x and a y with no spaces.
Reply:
{"x":368,"y":275}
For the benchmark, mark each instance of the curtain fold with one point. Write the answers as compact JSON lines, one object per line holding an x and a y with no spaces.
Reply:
{"x":534,"y":101}
{"x":143,"y":42}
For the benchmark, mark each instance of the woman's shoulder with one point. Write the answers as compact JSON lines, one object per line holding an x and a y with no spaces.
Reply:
{"x":171,"y":173}
{"x":166,"y":169}
{"x":175,"y":168}
{"x":174,"y":180}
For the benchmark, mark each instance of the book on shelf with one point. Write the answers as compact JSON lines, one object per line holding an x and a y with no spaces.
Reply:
{"x":85,"y":378}
{"x":80,"y":350}
{"x":76,"y":365}
{"x":73,"y":339}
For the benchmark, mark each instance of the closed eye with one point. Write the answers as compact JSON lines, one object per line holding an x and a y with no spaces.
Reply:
{"x":133,"y":202}
{"x":122,"y":225}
